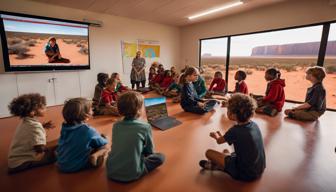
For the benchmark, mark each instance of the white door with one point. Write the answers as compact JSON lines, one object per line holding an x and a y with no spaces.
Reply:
{"x":67,"y":86}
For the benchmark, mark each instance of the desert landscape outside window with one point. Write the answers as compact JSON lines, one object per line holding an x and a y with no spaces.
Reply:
{"x":213,"y":57}
{"x":330,"y":66}
{"x":290,"y":50}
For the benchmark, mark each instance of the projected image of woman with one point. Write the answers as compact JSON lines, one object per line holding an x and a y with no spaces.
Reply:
{"x":53,"y":53}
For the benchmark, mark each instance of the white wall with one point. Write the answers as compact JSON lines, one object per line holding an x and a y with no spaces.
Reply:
{"x":281,"y":15}
{"x":105,"y":52}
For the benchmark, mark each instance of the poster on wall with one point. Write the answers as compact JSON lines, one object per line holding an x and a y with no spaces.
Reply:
{"x":150,"y":51}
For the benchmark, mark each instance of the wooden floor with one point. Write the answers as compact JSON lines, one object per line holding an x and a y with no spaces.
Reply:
{"x":300,"y":157}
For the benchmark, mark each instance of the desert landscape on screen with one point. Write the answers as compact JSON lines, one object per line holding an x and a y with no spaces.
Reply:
{"x":27,"y":49}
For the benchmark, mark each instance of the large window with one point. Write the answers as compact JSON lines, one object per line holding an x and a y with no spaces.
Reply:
{"x":291,"y":51}
{"x":330,"y":66}
{"x":213,"y":57}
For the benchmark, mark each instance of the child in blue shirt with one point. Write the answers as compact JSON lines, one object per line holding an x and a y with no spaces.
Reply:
{"x":248,"y":162}
{"x":132,"y":154}
{"x":80,"y":146}
{"x":190,"y":101}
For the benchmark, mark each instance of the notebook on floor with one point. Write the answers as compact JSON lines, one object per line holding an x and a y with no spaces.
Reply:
{"x":157,"y":114}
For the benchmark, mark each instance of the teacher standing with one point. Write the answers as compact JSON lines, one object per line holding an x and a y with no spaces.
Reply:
{"x":138,"y":74}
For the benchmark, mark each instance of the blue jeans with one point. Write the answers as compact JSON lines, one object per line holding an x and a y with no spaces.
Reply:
{"x":153,"y":161}
{"x":209,"y":105}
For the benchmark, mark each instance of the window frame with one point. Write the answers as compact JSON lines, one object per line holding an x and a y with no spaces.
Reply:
{"x":319,"y":61}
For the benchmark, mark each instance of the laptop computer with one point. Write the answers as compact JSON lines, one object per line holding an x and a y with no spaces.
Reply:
{"x":157,"y":114}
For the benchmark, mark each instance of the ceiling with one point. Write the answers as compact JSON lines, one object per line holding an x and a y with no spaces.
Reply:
{"x":170,"y":12}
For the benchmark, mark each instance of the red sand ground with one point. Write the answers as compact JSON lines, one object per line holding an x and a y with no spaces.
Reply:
{"x":69,"y":51}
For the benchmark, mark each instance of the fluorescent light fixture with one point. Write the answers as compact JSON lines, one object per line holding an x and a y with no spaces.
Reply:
{"x":227,"y":6}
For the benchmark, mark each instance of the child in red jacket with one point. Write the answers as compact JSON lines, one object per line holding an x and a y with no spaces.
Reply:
{"x":241,"y":86}
{"x":274,"y":100}
{"x":166,"y":82}
{"x":108,"y":99}
{"x":217,"y":85}
{"x":120,"y":86}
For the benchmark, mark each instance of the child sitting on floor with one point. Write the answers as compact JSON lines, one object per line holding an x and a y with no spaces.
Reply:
{"x":174,"y":89}
{"x":158,"y":79}
{"x":132,"y":154}
{"x":241,"y":86}
{"x":120,"y":87}
{"x":315,"y":102}
{"x":80,"y":146}
{"x":29,"y":145}
{"x":274,"y":100}
{"x":166,"y":82}
{"x":217,"y":86}
{"x":101,"y":78}
{"x":107,"y":104}
{"x":248,"y":162}
{"x":173,"y":71}
{"x":151,"y":76}
{"x":200,"y":86}
{"x":190,"y":101}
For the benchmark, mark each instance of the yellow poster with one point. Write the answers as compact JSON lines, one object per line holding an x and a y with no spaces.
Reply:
{"x":150,"y":51}
{"x":129,"y":49}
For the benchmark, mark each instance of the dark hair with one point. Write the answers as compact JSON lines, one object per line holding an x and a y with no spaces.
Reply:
{"x":274,"y":73}
{"x":182,"y":79}
{"x":219,"y":73}
{"x":51,"y":39}
{"x":76,"y":110}
{"x":190,"y":71}
{"x":23,"y":105}
{"x":129,"y":104}
{"x":317,"y":72}
{"x":114,"y":75}
{"x":101,"y":78}
{"x":166,"y":73}
{"x":241,"y":74}
{"x":243,"y":106}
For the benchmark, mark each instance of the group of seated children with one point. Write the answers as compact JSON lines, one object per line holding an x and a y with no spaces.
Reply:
{"x":193,"y":91}
{"x":80,"y":146}
{"x":106,"y":93}
{"x":132,"y":154}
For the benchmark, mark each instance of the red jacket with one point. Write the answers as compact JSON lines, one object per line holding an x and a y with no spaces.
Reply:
{"x":166,"y":82}
{"x":241,"y":87}
{"x":108,"y":97}
{"x":158,"y":79}
{"x":220,"y":84}
{"x":276,"y":94}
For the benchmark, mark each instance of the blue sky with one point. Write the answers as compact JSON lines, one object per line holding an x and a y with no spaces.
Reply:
{"x":17,"y":26}
{"x":154,"y":101}
{"x":243,"y":45}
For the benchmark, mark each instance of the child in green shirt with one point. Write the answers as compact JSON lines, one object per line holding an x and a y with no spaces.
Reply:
{"x":132,"y":154}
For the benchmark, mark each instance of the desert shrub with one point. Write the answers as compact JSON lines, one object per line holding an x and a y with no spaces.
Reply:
{"x":233,"y":67}
{"x":19,"y":49}
{"x":331,"y":69}
{"x":84,"y":50}
{"x":31,"y":43}
{"x":13,"y":41}
{"x":288,"y":68}
{"x":249,"y":72}
{"x":68,"y":41}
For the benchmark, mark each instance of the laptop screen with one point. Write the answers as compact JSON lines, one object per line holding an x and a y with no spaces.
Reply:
{"x":155,"y":108}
